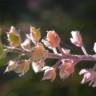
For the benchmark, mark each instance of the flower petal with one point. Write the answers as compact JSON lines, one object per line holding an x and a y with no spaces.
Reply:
{"x":37,"y":66}
{"x":82,"y":71}
{"x":49,"y":74}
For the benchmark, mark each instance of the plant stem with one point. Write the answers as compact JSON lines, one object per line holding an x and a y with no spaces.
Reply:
{"x":73,"y":57}
{"x":84,"y":50}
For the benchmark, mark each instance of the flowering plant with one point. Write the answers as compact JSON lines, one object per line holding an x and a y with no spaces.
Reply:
{"x":38,"y":50}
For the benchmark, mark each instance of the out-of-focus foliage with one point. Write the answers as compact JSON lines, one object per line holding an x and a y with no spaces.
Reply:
{"x":60,"y":15}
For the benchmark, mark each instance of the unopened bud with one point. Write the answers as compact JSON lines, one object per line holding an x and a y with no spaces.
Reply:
{"x":76,"y":38}
{"x":26,"y":45}
{"x":14,"y":37}
{"x":35,"y":34}
{"x":66,"y":69}
{"x":23,"y":67}
{"x":53,"y":38}
{"x":37,"y":66}
{"x":49,"y":74}
{"x":11,"y":66}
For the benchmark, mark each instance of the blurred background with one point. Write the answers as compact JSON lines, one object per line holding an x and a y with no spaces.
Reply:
{"x":63,"y":16}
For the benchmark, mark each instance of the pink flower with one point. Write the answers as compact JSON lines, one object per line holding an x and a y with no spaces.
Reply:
{"x":89,"y":75}
{"x":66,"y":69}
{"x":76,"y":38}
{"x":53,"y":38}
{"x":49,"y":73}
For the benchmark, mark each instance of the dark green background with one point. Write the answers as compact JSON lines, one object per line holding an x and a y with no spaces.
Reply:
{"x":62,"y":16}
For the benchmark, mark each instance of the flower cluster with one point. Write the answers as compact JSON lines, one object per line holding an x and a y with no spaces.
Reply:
{"x":36,"y":50}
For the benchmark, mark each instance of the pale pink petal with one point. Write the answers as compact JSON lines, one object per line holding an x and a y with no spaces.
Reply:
{"x":37,"y":66}
{"x":76,"y":38}
{"x":82,"y":71}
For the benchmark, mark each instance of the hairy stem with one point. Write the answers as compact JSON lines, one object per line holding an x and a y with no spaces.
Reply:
{"x":60,"y":56}
{"x":73,"y":57}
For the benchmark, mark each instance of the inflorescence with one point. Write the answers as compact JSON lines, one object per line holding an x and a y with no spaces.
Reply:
{"x":37,"y":51}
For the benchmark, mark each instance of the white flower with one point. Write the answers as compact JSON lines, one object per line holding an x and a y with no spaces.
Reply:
{"x":12,"y":29}
{"x":11,"y":66}
{"x":94,"y":48}
{"x":38,"y":65}
{"x":26,"y":45}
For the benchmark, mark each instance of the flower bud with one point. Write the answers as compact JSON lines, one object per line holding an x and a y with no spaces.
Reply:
{"x":35,"y":34}
{"x":11,"y":66}
{"x":26,"y":45}
{"x":38,"y":65}
{"x":14,"y":37}
{"x":23,"y":67}
{"x":89,"y":75}
{"x":76,"y":38}
{"x":38,"y":52}
{"x":49,"y":73}
{"x":66,"y":69}
{"x":53,"y":38}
